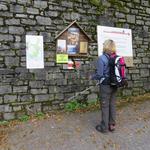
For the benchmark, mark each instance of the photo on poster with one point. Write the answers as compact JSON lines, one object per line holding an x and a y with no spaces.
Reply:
{"x":34,"y":52}
{"x":73,"y":41}
{"x":83,"y":47}
{"x":61,"y":46}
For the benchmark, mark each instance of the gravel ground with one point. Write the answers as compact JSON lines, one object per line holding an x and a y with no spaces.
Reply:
{"x":76,"y":131}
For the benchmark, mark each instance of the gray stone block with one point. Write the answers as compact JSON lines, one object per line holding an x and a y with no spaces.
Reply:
{"x":16,"y":8}
{"x":144,"y":72}
{"x":33,"y":108}
{"x":24,"y":2}
{"x":1,"y":21}
{"x":6,"y":38}
{"x":28,"y":21}
{"x":43,"y":20}
{"x":59,"y":96}
{"x":12,"y":61}
{"x":36,"y":84}
{"x":67,"y":4}
{"x":44,"y":97}
{"x":148,"y":10}
{"x":40,"y":4}
{"x":32,"y":11}
{"x":1,"y":100}
{"x":20,"y":89}
{"x":21,"y":16}
{"x":9,"y":116}
{"x":75,"y":16}
{"x":92,"y":97}
{"x":39,"y":91}
{"x":2,"y":108}
{"x":3,"y":30}
{"x":52,"y":13}
{"x":7,"y":108}
{"x":17,"y":108}
{"x":10,"y":98}
{"x":12,"y":21}
{"x":16,"y":30}
{"x":6,"y":14}
{"x":131,"y":18}
{"x":3,"y":7}
{"x":54,"y":89}
{"x":25,"y":98}
{"x":5,"y":89}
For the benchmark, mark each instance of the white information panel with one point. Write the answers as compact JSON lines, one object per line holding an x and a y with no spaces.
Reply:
{"x":34,"y":52}
{"x":122,"y":38}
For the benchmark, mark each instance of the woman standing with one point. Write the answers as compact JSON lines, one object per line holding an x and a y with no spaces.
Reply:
{"x":107,"y":93}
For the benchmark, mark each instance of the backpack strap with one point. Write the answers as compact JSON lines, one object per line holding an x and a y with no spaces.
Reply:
{"x":107,"y":56}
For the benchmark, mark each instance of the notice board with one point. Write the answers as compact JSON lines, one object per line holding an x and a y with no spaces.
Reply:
{"x":122,"y":38}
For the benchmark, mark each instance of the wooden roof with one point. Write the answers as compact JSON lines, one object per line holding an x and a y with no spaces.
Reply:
{"x":74,"y":22}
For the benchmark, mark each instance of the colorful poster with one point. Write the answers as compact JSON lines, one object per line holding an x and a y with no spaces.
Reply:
{"x":83,"y":47}
{"x":123,"y":39}
{"x":62,"y":58}
{"x":61,"y":46}
{"x":73,"y":41}
{"x":34,"y":52}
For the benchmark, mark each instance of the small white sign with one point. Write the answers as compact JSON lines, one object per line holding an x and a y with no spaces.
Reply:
{"x":122,"y":37}
{"x":34,"y":52}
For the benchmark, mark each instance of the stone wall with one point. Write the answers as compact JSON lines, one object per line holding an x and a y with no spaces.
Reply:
{"x":30,"y":90}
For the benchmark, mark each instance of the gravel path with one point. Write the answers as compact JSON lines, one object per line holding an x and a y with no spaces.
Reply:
{"x":76,"y":131}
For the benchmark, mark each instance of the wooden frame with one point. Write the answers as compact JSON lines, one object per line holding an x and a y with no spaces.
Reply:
{"x":76,"y":40}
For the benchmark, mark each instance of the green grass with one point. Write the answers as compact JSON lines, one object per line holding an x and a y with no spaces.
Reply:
{"x":24,"y":118}
{"x":75,"y":105}
{"x":4,"y":123}
{"x":39,"y":115}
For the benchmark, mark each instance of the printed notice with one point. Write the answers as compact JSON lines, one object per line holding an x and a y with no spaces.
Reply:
{"x":122,"y":38}
{"x":83,"y":47}
{"x":34,"y":52}
{"x":62,"y":58}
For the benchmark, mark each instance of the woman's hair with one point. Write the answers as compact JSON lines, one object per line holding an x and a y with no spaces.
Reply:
{"x":109,"y":46}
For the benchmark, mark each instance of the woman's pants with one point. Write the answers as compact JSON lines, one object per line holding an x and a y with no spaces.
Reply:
{"x":108,"y":106}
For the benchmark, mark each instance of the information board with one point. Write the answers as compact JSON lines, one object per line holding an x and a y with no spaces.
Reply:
{"x":122,"y":38}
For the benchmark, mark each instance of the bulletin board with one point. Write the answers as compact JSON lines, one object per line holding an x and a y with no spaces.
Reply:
{"x":122,"y":38}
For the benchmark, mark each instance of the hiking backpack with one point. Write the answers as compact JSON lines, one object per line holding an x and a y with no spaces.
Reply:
{"x":117,"y":71}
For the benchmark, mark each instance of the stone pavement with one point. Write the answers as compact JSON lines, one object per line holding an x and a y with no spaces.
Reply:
{"x":76,"y":131}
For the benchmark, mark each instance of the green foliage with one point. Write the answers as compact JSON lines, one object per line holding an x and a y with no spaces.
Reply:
{"x":40,"y":115}
{"x":98,"y":4}
{"x":75,"y":105}
{"x":95,"y":2}
{"x":4,"y":123}
{"x":101,"y":7}
{"x":71,"y":106}
{"x":24,"y":118}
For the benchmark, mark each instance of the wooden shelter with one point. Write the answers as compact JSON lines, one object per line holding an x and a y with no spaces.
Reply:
{"x":73,"y":41}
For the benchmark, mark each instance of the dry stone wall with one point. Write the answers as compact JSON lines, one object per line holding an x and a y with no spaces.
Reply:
{"x":30,"y":90}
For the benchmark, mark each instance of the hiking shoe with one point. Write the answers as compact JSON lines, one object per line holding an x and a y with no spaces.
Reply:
{"x":99,"y":129}
{"x":112,"y":127}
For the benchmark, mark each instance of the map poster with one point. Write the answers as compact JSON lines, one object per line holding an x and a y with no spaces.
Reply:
{"x":122,"y":38}
{"x":34,"y":52}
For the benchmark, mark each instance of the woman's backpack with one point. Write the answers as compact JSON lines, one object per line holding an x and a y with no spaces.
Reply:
{"x":117,"y":71}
